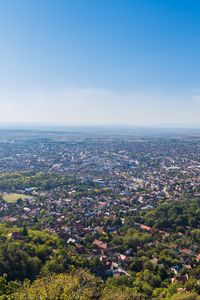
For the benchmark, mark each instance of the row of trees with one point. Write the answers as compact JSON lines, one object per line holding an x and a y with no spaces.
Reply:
{"x":81,"y":285}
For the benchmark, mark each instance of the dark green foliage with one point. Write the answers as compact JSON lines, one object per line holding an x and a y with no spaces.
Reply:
{"x":17,"y":263}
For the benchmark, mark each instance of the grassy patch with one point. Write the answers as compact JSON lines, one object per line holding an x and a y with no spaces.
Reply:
{"x":13,"y":197}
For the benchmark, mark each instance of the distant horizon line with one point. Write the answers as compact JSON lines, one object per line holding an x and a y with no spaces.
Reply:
{"x":45,"y":125}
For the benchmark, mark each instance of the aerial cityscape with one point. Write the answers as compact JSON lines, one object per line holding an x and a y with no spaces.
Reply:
{"x":99,"y":150}
{"x":121,"y":206}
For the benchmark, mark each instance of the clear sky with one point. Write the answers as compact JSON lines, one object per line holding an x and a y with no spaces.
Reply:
{"x":134,"y":62}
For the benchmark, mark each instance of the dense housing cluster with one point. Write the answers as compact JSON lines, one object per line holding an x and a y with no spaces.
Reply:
{"x":124,"y":207}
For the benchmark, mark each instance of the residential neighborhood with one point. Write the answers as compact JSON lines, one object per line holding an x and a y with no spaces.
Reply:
{"x":119,"y":204}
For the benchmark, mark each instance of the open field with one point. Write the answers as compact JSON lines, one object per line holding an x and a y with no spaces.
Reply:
{"x":13,"y":197}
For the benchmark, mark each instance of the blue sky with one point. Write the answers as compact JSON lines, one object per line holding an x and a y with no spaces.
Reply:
{"x":134,"y":62}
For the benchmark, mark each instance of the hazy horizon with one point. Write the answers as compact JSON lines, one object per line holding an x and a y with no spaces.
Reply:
{"x":115,"y":126}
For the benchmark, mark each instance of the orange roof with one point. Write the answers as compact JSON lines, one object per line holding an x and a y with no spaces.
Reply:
{"x":142,"y":226}
{"x":100,"y":244}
